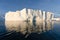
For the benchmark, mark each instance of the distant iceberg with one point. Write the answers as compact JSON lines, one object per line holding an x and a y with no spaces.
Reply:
{"x":28,"y":14}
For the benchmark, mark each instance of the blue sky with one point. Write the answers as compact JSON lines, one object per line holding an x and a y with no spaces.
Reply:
{"x":46,"y":5}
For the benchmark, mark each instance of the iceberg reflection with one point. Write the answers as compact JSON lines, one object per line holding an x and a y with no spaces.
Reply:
{"x":28,"y":27}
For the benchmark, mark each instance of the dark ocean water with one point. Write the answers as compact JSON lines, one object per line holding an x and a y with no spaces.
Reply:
{"x":17,"y":30}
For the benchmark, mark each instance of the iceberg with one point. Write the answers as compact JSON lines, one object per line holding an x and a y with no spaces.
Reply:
{"x":28,"y":15}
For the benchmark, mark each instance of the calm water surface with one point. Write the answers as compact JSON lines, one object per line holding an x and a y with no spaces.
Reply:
{"x":18,"y":30}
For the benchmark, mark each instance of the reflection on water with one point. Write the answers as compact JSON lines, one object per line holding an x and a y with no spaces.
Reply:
{"x":28,"y":27}
{"x":37,"y":30}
